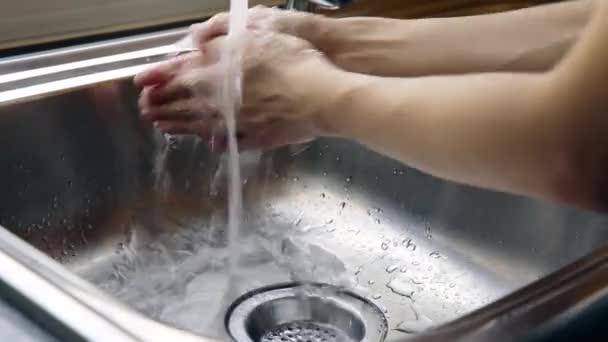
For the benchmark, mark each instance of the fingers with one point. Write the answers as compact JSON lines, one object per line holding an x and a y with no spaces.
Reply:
{"x":164,"y":72}
{"x":192,"y":92}
{"x":210,"y":29}
{"x":158,"y":74}
{"x":159,"y":95}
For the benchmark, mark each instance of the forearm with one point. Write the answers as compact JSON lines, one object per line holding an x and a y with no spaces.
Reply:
{"x":539,"y":134}
{"x":485,"y":130}
{"x":524,"y":40}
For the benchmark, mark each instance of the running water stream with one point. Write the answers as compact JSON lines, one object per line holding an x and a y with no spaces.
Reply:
{"x":230,"y":102}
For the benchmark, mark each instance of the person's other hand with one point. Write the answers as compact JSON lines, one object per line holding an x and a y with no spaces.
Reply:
{"x":260,"y":18}
{"x":282,"y":83}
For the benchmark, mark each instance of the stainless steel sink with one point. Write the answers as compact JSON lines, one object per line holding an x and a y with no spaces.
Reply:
{"x":143,"y":217}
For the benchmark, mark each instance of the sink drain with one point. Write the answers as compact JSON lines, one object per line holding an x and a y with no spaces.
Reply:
{"x":304,"y":313}
{"x":304,"y":331}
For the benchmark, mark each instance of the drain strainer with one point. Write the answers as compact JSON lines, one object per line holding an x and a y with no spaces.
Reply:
{"x":305,"y":313}
{"x":304,"y":331}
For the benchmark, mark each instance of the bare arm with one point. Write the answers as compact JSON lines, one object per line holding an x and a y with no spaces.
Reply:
{"x":524,"y":40}
{"x":541,"y":134}
{"x":538,"y":134}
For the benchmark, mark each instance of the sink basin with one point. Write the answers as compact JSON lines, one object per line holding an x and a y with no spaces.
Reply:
{"x":142,"y":216}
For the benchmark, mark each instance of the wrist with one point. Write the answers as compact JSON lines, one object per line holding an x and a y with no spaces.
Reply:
{"x":327,"y":95}
{"x":319,"y":30}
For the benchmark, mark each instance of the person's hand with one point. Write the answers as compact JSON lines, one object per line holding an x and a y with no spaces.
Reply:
{"x":282,"y":81}
{"x":260,"y":18}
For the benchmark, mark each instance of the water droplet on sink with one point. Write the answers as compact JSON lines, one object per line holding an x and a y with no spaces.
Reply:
{"x":409,"y":244}
{"x":376,"y":296}
{"x":324,"y":173}
{"x":299,"y":220}
{"x":371,"y":282}
{"x":323,"y":195}
{"x":452,"y":285}
{"x":427,"y":230}
{"x":342,"y":205}
{"x":435,"y":255}
{"x":378,"y":221}
{"x":359,"y":269}
{"x":392,"y":268}
{"x":295,"y":179}
{"x":419,"y":325}
{"x":385,"y":244}
{"x":416,"y":281}
{"x":401,"y":288}
{"x":349,"y":179}
{"x":403,"y":269}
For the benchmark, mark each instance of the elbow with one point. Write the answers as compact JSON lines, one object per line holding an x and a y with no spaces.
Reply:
{"x":581,"y":178}
{"x":578,"y":173}
{"x":582,"y":193}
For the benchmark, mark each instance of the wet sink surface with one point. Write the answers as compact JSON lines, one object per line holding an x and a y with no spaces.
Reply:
{"x":306,"y":220}
{"x":143,"y":218}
